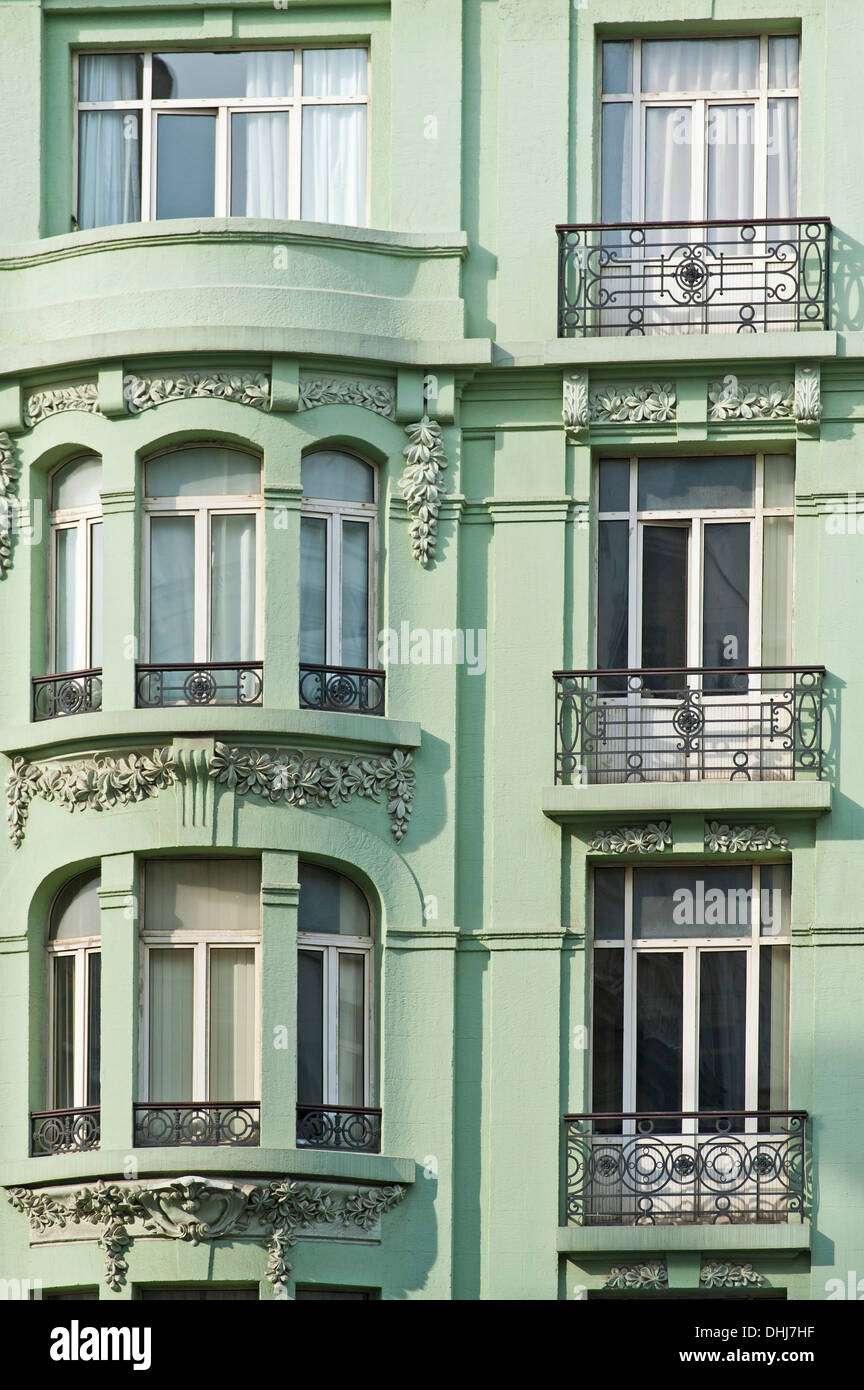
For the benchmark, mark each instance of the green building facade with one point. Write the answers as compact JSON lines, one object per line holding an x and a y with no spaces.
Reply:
{"x":362,"y":936}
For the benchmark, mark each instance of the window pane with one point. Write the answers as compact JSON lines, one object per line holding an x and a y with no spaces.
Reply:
{"x":695,"y":484}
{"x":310,"y":1028}
{"x":612,"y":595}
{"x":779,"y":488}
{"x":609,"y":904}
{"x":172,"y":588}
{"x":731,"y":160}
{"x":333,"y":175}
{"x":69,"y":602}
{"x":313,"y":589}
{"x":171,"y":1027}
{"x":659,"y":1031}
{"x":223,"y":75}
{"x":664,"y":596}
{"x":198,"y":1295}
{"x":608,"y":1031}
{"x":232,"y":588}
{"x":185,"y":171}
{"x":96,"y":595}
{"x":616,"y":162}
{"x":783,"y":158}
{"x":203,"y":470}
{"x":700,"y":65}
{"x":351,"y":1059}
{"x":618,"y":67}
{"x":334,"y":72}
{"x":110,"y":76}
{"x":203,"y":894}
{"x":232,"y":1024}
{"x":94,"y":996}
{"x":614,"y":478}
{"x":77,"y":484}
{"x":337,"y":477}
{"x":259,"y":164}
{"x":783,"y":62}
{"x":726,"y":600}
{"x":668,"y":145}
{"x":775,"y":899}
{"x":777,"y":591}
{"x":64,"y":1032}
{"x":773,"y":1027}
{"x":357,"y":1295}
{"x":722,"y":1029}
{"x":76,"y":909}
{"x":715,"y":902}
{"x":109,"y":168}
{"x":330,"y":902}
{"x":355,"y":593}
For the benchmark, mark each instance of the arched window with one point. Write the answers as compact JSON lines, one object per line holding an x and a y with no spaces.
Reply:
{"x":202,"y":548}
{"x":75,"y":583}
{"x":74,"y":939}
{"x":334,"y":1047}
{"x":337,"y":590}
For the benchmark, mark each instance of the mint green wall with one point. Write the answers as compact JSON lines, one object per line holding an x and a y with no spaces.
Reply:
{"x":483,"y":136}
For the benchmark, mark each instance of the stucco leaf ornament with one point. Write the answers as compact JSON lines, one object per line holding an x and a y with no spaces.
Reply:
{"x":97,"y":783}
{"x":742,"y":839}
{"x":422,"y":487}
{"x":650,"y":1275}
{"x":716,"y":1274}
{"x":8,"y":489}
{"x":652,"y":838}
{"x":732,"y":399}
{"x":377,"y":396}
{"x":642,"y":403}
{"x":246,"y":388}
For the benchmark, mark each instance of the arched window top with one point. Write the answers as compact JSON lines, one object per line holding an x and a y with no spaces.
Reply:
{"x":203,"y":470}
{"x":75,"y":914}
{"x":331,"y":475}
{"x":331,"y":904}
{"x":76,"y":484}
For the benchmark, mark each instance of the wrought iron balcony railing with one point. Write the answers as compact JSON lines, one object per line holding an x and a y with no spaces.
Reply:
{"x":689,"y":1167}
{"x":339,"y":1127}
{"x":758,"y":276}
{"x":64,"y":1131}
{"x":197,"y":1123}
{"x":197,"y":683}
{"x":346,"y":688}
{"x":750,"y":723}
{"x":73,"y":692}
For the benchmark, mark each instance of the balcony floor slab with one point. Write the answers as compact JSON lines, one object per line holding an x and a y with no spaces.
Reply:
{"x":569,"y":805}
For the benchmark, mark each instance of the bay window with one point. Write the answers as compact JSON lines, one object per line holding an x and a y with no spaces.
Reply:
{"x":75,"y":585}
{"x":73,"y":997}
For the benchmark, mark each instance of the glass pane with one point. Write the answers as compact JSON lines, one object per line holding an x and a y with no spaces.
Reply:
{"x":700,"y":65}
{"x":775,"y":899}
{"x":783,"y":62}
{"x":726,"y":600}
{"x":203,"y":470}
{"x":668,"y":145}
{"x":783,"y":158}
{"x":232,"y":588}
{"x":313,"y":589}
{"x":686,"y":902}
{"x":731,"y":160}
{"x":333,"y":171}
{"x":75,"y":913}
{"x":695,"y":484}
{"x":664,"y":596}
{"x":232,"y":1024}
{"x":203,"y":895}
{"x":354,"y":1295}
{"x":94,"y":996}
{"x":199,"y":1295}
{"x":310,"y":1028}
{"x":337,"y":477}
{"x":109,"y":168}
{"x":616,"y":204}
{"x":64,"y":1032}
{"x":96,"y":595}
{"x":259,"y":164}
{"x":773,"y":1027}
{"x":172,"y":588}
{"x":331,"y":903}
{"x":659,"y":1031}
{"x":69,"y":602}
{"x":186,"y":167}
{"x":171,"y":1027}
{"x":110,"y":76}
{"x":609,"y":887}
{"x":223,"y":75}
{"x":777,"y":591}
{"x":355,"y":593}
{"x":614,"y":479}
{"x":607,"y":1032}
{"x":77,"y":484}
{"x":334,"y":72}
{"x":722,"y":1029}
{"x":351,"y":1059}
{"x":612,"y":595}
{"x":779,"y":484}
{"x":617,"y":67}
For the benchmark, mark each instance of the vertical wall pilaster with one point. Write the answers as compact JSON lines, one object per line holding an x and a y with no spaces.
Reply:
{"x":280,"y":897}
{"x":119,"y":900}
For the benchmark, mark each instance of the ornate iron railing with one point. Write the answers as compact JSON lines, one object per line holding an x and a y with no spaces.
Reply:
{"x":339,"y":1127}
{"x":64,"y":1131}
{"x":750,"y":723}
{"x":197,"y":1123}
{"x":627,"y":278}
{"x":695,"y":1167}
{"x":197,"y":683}
{"x":73,"y":692}
{"x":349,"y":688}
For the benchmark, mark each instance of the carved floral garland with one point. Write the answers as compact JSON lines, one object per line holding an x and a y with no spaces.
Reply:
{"x":247,"y":388}
{"x":731,"y":399}
{"x":97,"y":783}
{"x":640,"y":839}
{"x":652,"y":1274}
{"x":742,"y":839}
{"x":422,"y":487}
{"x":653,"y":403}
{"x":8,"y":488}
{"x":42,"y":404}
{"x":377,"y":396}
{"x":717,"y":1274}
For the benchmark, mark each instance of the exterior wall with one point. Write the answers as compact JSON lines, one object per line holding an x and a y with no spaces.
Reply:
{"x":484,"y":136}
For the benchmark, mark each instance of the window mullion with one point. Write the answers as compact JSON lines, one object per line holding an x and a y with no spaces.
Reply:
{"x":79,"y":1030}
{"x":332,"y":1039}
{"x":147,"y":159}
{"x":295,"y":137}
{"x":222,"y":180}
{"x":628,"y":1088}
{"x":203,"y":522}
{"x":200,"y":1020}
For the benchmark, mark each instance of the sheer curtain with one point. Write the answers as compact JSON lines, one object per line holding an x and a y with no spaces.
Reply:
{"x":201,"y":894}
{"x":700,"y":65}
{"x":232,"y":1024}
{"x":68,"y":602}
{"x":351,"y":1059}
{"x":171,"y":1025}
{"x":260,"y":141}
{"x":355,"y":593}
{"x":313,"y":589}
{"x":109,"y":151}
{"x":334,"y":138}
{"x":232,"y":588}
{"x":172,"y":589}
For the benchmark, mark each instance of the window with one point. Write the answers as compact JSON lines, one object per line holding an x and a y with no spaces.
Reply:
{"x":334,"y":991}
{"x":276,"y":133}
{"x":304,"y":1291}
{"x":74,"y":977}
{"x":198,"y":1293}
{"x":76,"y":566}
{"x":201,"y":948}
{"x":202,"y":548}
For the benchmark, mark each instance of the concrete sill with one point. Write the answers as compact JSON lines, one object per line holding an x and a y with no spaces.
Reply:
{"x":778,"y":1238}
{"x":653,"y":800}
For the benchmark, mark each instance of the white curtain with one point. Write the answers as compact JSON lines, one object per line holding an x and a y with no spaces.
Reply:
{"x":232,"y":588}
{"x":313,"y":589}
{"x":700,"y":65}
{"x":232,"y":1024}
{"x":334,"y":138}
{"x":355,"y":593}
{"x":259,"y":164}
{"x":109,"y":153}
{"x":730,"y":137}
{"x":172,"y":589}
{"x":350,"y":1061}
{"x":783,"y":157}
{"x":202,"y":894}
{"x":668,"y":151}
{"x":777,"y":592}
{"x":171,"y":1025}
{"x":68,"y":602}
{"x":96,"y":595}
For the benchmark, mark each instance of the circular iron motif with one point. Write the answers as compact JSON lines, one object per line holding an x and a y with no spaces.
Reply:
{"x":691,"y":275}
{"x":70,"y":697}
{"x":199,"y":688}
{"x":687,"y":721}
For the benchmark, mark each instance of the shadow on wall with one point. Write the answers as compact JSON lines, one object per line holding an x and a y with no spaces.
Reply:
{"x":847,"y":283}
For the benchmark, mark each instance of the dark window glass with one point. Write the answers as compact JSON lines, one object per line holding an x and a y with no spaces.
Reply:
{"x":608,"y":1031}
{"x":612,"y":596}
{"x":693,"y":484}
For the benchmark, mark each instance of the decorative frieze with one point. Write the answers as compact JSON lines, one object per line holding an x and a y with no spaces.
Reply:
{"x":742,"y":839}
{"x":8,"y":489}
{"x":808,"y":398}
{"x":297,"y":777}
{"x":652,"y":403}
{"x":649,"y":1274}
{"x":652,"y":838}
{"x":575,"y":408}
{"x":733,"y":399}
{"x":377,"y":396}
{"x":40,"y":405}
{"x":422,"y":486}
{"x":99,"y":782}
{"x":719,"y":1274}
{"x":247,"y":388}
{"x":275,"y":1212}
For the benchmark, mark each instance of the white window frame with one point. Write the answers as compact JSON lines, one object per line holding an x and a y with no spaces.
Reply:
{"x":335,"y":512}
{"x":83,"y":520}
{"x":150,"y":110}
{"x":333,"y":947}
{"x":81,"y":949}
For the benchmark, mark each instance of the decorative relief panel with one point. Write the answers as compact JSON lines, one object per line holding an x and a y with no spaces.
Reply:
{"x":652,"y":838}
{"x":808,"y":395}
{"x":422,"y":485}
{"x":733,"y":399}
{"x":8,"y":489}
{"x":41,"y":404}
{"x":650,"y":1274}
{"x":651,"y":403}
{"x":247,"y":388}
{"x":377,"y":396}
{"x":742,"y":839}
{"x":718,"y":1274}
{"x":97,"y":783}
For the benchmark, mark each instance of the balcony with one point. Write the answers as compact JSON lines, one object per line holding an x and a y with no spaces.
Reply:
{"x":64,"y":1131}
{"x":339,"y":1127}
{"x":349,"y":689}
{"x":73,"y":692}
{"x":694,"y":724}
{"x":637,"y":278}
{"x":697,"y":1168}
{"x":209,"y":683}
{"x":168,"y":1126}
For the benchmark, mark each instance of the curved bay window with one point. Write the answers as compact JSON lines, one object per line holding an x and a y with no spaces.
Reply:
{"x":202,"y":549}
{"x":201,"y":942}
{"x":334,"y":1064}
{"x":75,"y":584}
{"x":338,"y":542}
{"x":74,"y":979}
